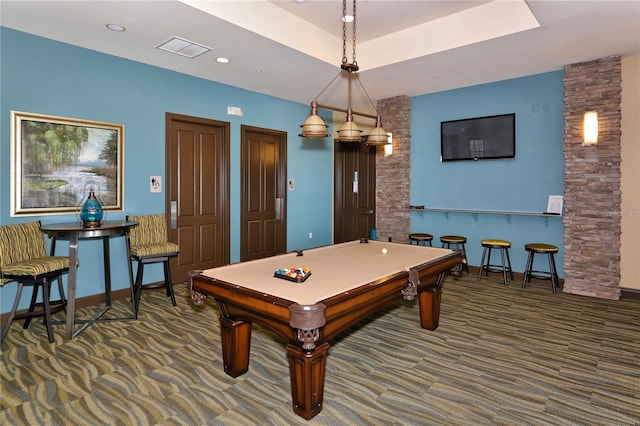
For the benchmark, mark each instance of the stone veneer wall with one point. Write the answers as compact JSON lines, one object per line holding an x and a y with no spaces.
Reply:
{"x":393,"y":172}
{"x":592,"y":180}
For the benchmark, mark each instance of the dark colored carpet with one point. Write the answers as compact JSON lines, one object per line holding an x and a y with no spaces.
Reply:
{"x":501,"y":356}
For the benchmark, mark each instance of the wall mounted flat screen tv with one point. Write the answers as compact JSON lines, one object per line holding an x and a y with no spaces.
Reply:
{"x":480,"y":138}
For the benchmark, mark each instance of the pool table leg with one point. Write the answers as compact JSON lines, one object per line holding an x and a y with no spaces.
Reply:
{"x":307,"y":370}
{"x":236,"y":345}
{"x":430,"y":305}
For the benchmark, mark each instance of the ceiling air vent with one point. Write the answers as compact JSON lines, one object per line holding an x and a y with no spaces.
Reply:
{"x":183,"y":47}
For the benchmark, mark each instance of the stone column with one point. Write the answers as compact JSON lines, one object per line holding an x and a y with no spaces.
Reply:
{"x":592,"y":180}
{"x":393,"y":172}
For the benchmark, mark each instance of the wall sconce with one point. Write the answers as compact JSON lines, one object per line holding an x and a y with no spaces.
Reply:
{"x":590,"y":128}
{"x":388,"y":147}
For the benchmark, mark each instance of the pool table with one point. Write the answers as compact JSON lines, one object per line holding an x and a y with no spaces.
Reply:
{"x":347,"y":283}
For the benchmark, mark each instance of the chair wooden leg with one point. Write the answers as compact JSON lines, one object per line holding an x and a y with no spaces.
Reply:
{"x":32,"y":305}
{"x":138,"y":288}
{"x":131,"y":280}
{"x":63,"y":298}
{"x":12,"y":314}
{"x":168,"y":283}
{"x":46,"y":292}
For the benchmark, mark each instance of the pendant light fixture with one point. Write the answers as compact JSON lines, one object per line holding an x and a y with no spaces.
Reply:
{"x":315,"y":127}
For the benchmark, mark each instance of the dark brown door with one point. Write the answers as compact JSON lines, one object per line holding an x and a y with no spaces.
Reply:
{"x":355,"y":191}
{"x":263,"y":200}
{"x":197,"y":203}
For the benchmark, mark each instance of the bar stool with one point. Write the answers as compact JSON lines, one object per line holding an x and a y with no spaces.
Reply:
{"x":456,"y":242}
{"x":421,"y":238}
{"x":503,"y":246}
{"x":540,"y":248}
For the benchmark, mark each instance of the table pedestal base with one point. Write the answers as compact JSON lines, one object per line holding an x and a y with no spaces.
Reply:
{"x":97,"y":318}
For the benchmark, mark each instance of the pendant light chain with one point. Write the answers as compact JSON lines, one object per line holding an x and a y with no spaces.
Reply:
{"x":354,"y":33}
{"x":344,"y":32}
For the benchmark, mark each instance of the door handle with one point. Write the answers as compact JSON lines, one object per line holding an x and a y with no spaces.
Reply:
{"x":174,"y":215}
{"x":369,"y":212}
{"x":278,"y":208}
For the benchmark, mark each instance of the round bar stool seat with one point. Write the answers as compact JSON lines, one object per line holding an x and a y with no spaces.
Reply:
{"x":456,"y":242}
{"x":504,"y":267}
{"x":421,"y":238}
{"x":540,"y":248}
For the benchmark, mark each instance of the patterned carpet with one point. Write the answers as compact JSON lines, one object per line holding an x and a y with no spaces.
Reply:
{"x":501,"y":356}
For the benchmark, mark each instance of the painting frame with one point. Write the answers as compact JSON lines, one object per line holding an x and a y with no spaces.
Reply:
{"x":56,"y":160}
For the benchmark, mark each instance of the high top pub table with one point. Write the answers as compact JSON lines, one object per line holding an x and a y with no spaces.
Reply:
{"x":74,"y":231}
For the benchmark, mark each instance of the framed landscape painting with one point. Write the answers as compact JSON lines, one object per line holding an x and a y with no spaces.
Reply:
{"x":54,"y":160}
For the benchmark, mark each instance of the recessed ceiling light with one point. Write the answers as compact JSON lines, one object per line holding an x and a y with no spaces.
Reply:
{"x":347,"y":18}
{"x":222,"y":60}
{"x":116,"y":28}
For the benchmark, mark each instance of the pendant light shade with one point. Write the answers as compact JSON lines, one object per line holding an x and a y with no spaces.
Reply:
{"x":314,"y":126}
{"x":349,"y":131}
{"x":378,"y":135}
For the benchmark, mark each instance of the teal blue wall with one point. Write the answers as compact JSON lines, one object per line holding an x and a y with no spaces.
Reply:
{"x":47,"y":77}
{"x":522,"y":184}
{"x":42,"y":76}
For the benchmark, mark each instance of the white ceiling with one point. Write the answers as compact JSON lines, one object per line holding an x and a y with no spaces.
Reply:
{"x":292,"y":49}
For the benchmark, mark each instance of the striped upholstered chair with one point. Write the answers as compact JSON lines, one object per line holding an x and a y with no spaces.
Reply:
{"x":147,"y":243}
{"x":23,"y":258}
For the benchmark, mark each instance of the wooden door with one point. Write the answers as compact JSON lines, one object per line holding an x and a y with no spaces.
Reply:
{"x":263,"y":215}
{"x":197,"y":194}
{"x":354,"y":191}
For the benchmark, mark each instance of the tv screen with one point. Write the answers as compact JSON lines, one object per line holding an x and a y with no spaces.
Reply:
{"x":479,"y":138}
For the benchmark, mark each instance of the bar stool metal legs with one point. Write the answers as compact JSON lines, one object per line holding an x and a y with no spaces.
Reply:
{"x":503,"y":246}
{"x":456,"y":242}
{"x":421,"y":239}
{"x":539,"y":248}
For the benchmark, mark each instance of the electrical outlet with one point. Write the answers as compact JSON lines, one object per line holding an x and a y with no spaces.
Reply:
{"x":310,"y":235}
